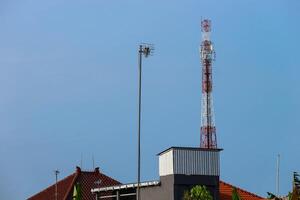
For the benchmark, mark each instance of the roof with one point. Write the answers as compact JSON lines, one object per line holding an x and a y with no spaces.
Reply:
{"x":226,"y":192}
{"x":188,"y":148}
{"x":87,"y":179}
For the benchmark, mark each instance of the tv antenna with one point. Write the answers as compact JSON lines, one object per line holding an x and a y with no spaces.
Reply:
{"x":56,"y":172}
{"x":277,"y":174}
{"x":93,"y":160}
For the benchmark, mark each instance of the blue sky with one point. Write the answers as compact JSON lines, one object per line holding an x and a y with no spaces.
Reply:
{"x":68,"y":85}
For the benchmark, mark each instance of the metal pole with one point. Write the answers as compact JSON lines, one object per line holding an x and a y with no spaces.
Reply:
{"x":277,"y":175}
{"x":139,"y":123}
{"x":56,"y":174}
{"x":118,"y":195}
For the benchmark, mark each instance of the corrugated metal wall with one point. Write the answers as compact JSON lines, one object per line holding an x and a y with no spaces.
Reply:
{"x":189,"y":162}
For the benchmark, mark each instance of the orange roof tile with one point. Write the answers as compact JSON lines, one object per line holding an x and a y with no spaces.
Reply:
{"x":226,"y":191}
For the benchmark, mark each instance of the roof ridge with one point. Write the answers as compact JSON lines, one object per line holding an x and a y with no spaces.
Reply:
{"x":88,"y":172}
{"x":250,"y":193}
{"x":71,"y":185}
{"x":47,"y":188}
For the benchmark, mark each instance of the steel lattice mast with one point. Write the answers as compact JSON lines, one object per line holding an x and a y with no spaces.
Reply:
{"x":207,"y":54}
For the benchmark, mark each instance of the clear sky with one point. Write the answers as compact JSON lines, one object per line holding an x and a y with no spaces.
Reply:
{"x":68,"y":85}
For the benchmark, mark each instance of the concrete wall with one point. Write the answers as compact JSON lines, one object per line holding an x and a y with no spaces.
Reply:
{"x":172,"y":187}
{"x":165,"y":191}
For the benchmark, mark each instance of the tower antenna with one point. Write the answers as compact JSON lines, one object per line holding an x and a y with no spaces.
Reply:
{"x":81,"y":157}
{"x":93,"y":160}
{"x":277,"y":174}
{"x":208,"y":137}
{"x":56,"y":172}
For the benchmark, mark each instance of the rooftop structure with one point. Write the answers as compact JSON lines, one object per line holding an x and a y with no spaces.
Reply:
{"x":180,"y":168}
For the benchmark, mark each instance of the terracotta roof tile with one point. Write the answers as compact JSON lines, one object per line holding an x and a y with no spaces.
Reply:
{"x":226,"y":191}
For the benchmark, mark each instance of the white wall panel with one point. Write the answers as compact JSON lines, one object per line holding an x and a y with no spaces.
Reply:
{"x":166,"y":163}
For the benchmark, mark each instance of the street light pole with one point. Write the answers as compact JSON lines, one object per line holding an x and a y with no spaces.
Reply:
{"x":139,"y":123}
{"x":146,"y":50}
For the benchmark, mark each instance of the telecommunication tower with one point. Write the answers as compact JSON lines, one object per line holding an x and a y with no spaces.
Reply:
{"x":207,"y":54}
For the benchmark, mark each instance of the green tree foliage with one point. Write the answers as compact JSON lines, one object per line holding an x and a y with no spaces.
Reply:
{"x":187,"y":195}
{"x":296,"y":182}
{"x":235,"y":195}
{"x":198,"y":192}
{"x":294,"y":195}
{"x":77,"y":192}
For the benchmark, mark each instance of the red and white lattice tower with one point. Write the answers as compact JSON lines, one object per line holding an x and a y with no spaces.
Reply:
{"x":207,"y":53}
